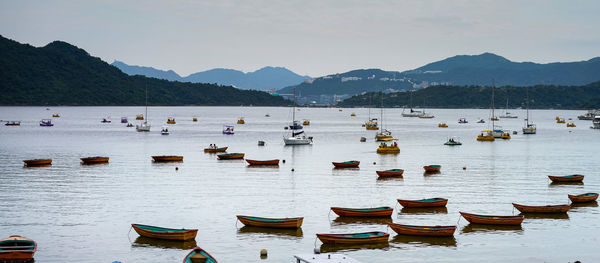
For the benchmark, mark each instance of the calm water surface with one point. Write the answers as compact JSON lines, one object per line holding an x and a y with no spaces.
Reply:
{"x":82,"y":213}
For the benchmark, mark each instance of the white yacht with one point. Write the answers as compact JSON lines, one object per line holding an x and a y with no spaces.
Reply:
{"x":297,"y":136}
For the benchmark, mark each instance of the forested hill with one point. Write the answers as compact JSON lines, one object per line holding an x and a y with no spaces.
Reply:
{"x":540,"y":97}
{"x":62,"y":74}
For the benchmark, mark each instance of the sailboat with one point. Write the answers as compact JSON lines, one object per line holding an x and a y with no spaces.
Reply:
{"x":297,"y":136}
{"x":412,"y":112}
{"x":371,"y":124}
{"x":488,"y":135}
{"x":506,"y":113}
{"x":529,"y":127}
{"x":383,"y":134}
{"x":145,"y":126}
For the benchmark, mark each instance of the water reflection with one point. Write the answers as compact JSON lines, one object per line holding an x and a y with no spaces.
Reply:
{"x":424,"y":241}
{"x":431,"y":173}
{"x":255,"y":231}
{"x":424,"y":210}
{"x":558,"y":184}
{"x":94,"y":164}
{"x":348,"y":220}
{"x":141,"y":241}
{"x":586,"y":204}
{"x":327,"y":248}
{"x":389,"y":178}
{"x":479,"y":228}
{"x":546,"y":215}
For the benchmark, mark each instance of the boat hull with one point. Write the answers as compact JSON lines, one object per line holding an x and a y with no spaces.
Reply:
{"x":355,"y":238}
{"x":390,"y":173}
{"x":493,"y":220}
{"x":294,"y":222}
{"x":346,"y":164}
{"x":582,"y":198}
{"x":437,"y":231}
{"x":265,"y":162}
{"x":215,"y":150}
{"x":94,"y":160}
{"x":190,"y":258}
{"x":228,"y":156}
{"x":432,"y":168}
{"x":17,"y":249}
{"x":431,"y":202}
{"x":164,"y":233}
{"x":542,"y":208}
{"x":363,"y":212}
{"x":167,"y":158}
{"x":568,"y":178}
{"x":388,"y":150}
{"x":297,"y":141}
{"x":38,"y":162}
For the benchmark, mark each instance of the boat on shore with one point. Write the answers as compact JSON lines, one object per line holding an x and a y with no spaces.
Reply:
{"x":567,"y":178}
{"x":167,"y":158}
{"x":390,"y":173}
{"x":94,"y":160}
{"x":346,"y":164}
{"x":432,"y":168}
{"x":198,"y":255}
{"x":164,"y":233}
{"x":493,"y":220}
{"x":17,"y":249}
{"x":437,"y":231}
{"x":354,"y":238}
{"x":542,"y":208}
{"x":38,"y":162}
{"x":215,"y":149}
{"x":363,"y":212}
{"x":583,"y":198}
{"x":430,"y":202}
{"x":291,"y":222}
{"x":263,"y":162}
{"x":230,"y":156}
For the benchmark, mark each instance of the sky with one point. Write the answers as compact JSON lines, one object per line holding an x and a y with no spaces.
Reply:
{"x":313,"y":38}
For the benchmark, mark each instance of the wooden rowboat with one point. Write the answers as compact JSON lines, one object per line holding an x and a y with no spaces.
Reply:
{"x":493,"y":220}
{"x":430,"y":202}
{"x":198,"y":255}
{"x":354,"y":238}
{"x":94,"y":160}
{"x":228,"y":156}
{"x":38,"y":162}
{"x":167,"y":158}
{"x":438,"y":231}
{"x":346,"y":164}
{"x":582,"y":198}
{"x":165,"y":233}
{"x":215,"y":150}
{"x":375,"y":211}
{"x":542,"y":208}
{"x":17,"y":248}
{"x":432,"y":168}
{"x":567,"y":178}
{"x":265,"y":162}
{"x":390,"y":173}
{"x":293,"y":222}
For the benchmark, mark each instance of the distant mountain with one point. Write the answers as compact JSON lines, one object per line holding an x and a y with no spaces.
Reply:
{"x":267,"y":78}
{"x":62,"y":74}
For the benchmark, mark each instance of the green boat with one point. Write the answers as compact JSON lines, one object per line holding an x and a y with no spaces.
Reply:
{"x":199,"y":255}
{"x":453,"y":141}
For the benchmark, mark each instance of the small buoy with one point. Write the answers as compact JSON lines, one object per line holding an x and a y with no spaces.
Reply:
{"x":317,"y":250}
{"x":283,"y":161}
{"x":374,"y":163}
{"x":292,"y":169}
{"x":261,"y":143}
{"x":363,"y":139}
{"x":263,"y":253}
{"x":515,"y":132}
{"x":464,"y":168}
{"x":176,"y":168}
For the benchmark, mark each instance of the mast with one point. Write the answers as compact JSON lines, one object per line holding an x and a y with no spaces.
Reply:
{"x":146,"y":116}
{"x":381,"y":122}
{"x":527,"y":119}
{"x":294,"y":108}
{"x":370,"y":102}
{"x":493,"y":116}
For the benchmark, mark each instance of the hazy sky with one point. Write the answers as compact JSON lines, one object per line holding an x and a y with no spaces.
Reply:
{"x":308,"y":37}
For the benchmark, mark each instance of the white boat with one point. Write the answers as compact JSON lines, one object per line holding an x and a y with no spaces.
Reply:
{"x":507,"y":114}
{"x":297,"y":136}
{"x":145,"y":126}
{"x":529,"y":127}
{"x":588,"y":116}
{"x":596,"y":122}
{"x":164,"y":130}
{"x":383,"y":134}
{"x":411,"y":112}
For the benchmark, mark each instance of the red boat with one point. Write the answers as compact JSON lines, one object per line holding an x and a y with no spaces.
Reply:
{"x":346,"y":164}
{"x":438,"y":231}
{"x":375,"y":211}
{"x":432,"y":168}
{"x":568,"y":178}
{"x":17,"y":249}
{"x":390,"y":173}
{"x":430,"y":202}
{"x":542,"y":208}
{"x":582,"y":198}
{"x":38,"y":162}
{"x":265,"y":162}
{"x":493,"y":220}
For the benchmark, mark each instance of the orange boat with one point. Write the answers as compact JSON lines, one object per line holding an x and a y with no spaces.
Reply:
{"x":228,"y":156}
{"x":293,"y":222}
{"x":390,"y":173}
{"x":373,"y":212}
{"x":167,"y":158}
{"x":94,"y":160}
{"x":542,"y":208}
{"x":438,"y":231}
{"x":432,"y":168}
{"x":354,"y":238}
{"x":38,"y":162}
{"x":17,"y":249}
{"x":346,"y":164}
{"x":582,"y":198}
{"x":430,"y":202}
{"x":493,"y":220}
{"x":164,"y":233}
{"x":215,"y":150}
{"x":266,"y":162}
{"x":567,"y":178}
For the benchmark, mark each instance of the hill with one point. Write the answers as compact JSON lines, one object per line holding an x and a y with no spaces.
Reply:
{"x":62,"y":74}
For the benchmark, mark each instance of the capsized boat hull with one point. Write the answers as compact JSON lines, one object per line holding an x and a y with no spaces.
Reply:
{"x":430,"y":202}
{"x":354,"y":238}
{"x":542,"y":208}
{"x":493,"y":220}
{"x":363,"y":212}
{"x":437,"y":231}
{"x":582,"y":198}
{"x":293,"y":222}
{"x":164,"y":233}
{"x":17,"y":249}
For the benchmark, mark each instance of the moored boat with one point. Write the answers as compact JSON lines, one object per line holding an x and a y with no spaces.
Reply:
{"x":354,"y":238}
{"x":567,"y":178}
{"x":12,"y":123}
{"x":582,"y":198}
{"x":228,"y":130}
{"x":390,"y":173}
{"x":371,"y":212}
{"x":56,"y":115}
{"x":94,"y":160}
{"x":454,"y":141}
{"x":164,"y":233}
{"x":438,"y":231}
{"x":430,"y":202}
{"x":432,"y":168}
{"x":292,"y":222}
{"x":346,"y":164}
{"x":263,"y":162}
{"x":442,"y":125}
{"x":542,"y":208}
{"x":462,"y":121}
{"x":124,"y":120}
{"x":384,"y":148}
{"x":17,"y":249}
{"x":228,"y":156}
{"x":46,"y":123}
{"x":493,"y":220}
{"x":171,"y":120}
{"x":198,"y":255}
{"x":241,"y":120}
{"x":167,"y":158}
{"x":215,"y":149}
{"x":38,"y":162}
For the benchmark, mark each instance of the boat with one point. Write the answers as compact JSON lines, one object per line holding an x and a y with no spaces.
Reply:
{"x":194,"y":119}
{"x":228,"y":129}
{"x":571,"y":124}
{"x":46,"y":123}
{"x":17,"y":249}
{"x":411,"y":112}
{"x":596,"y":123}
{"x":493,"y":220}
{"x":384,"y":148}
{"x":167,"y":158}
{"x":291,"y":222}
{"x":529,"y":127}
{"x":486,"y":135}
{"x":354,"y":238}
{"x":390,"y":173}
{"x":241,"y":120}
{"x":370,"y":212}
{"x":171,"y":120}
{"x":38,"y":162}
{"x":442,"y":125}
{"x":437,"y":231}
{"x":229,"y":156}
{"x":164,"y":130}
{"x":56,"y":115}
{"x":124,"y":120}
{"x":462,"y":121}
{"x":560,"y":120}
{"x":372,"y":124}
{"x":145,"y":126}
{"x":297,"y":136}
{"x":507,"y":114}
{"x":139,"y":116}
{"x":215,"y":149}
{"x":567,"y":178}
{"x":426,"y":116}
{"x":588,"y":116}
{"x":105,"y":120}
{"x":199,"y":255}
{"x":383,"y":134}
{"x":583,"y":198}
{"x":542,"y":208}
{"x":263,"y":162}
{"x":353,"y":114}
{"x":430,"y":202}
{"x":453,"y":141}
{"x":494,"y":118}
{"x":481,"y":121}
{"x":165,"y":233}
{"x":432,"y":168}
{"x":13,"y":123}
{"x":267,"y":115}
{"x":94,"y":160}
{"x":129,"y":124}
{"x":306,"y":122}
{"x":505,"y":135}
{"x":346,"y":164}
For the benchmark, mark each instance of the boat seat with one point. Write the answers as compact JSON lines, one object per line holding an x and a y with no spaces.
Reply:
{"x":198,"y":258}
